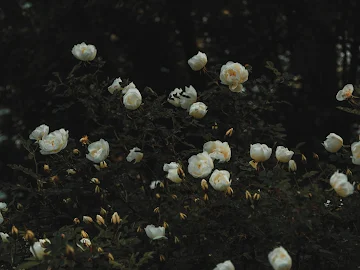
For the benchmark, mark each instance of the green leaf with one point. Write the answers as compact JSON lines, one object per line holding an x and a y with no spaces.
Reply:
{"x":349,"y":110}
{"x":28,"y":265}
{"x":310,"y":174}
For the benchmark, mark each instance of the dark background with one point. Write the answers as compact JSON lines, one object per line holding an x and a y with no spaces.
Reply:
{"x":149,"y":42}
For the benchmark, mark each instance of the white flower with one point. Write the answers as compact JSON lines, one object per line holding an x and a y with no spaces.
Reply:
{"x":173,"y":172}
{"x":54,"y":142}
{"x":218,"y":150}
{"x":115,"y":86}
{"x":345,"y":93}
{"x":341,"y":185}
{"x":220,"y":180}
{"x":98,"y":151}
{"x":4,"y":237}
{"x":333,"y":143}
{"x":198,"y":110}
{"x":292,"y":165}
{"x":200,"y":165}
{"x":154,"y":184}
{"x":135,"y":154}
{"x":227,"y":265}
{"x":84,"y":52}
{"x":71,"y":171}
{"x":188,"y":97}
{"x":38,"y":248}
{"x":39,"y":132}
{"x":155,"y":233}
{"x":132,"y":99}
{"x":129,"y":86}
{"x":198,"y":61}
{"x":2,"y":207}
{"x":283,"y":154}
{"x":174,"y":97}
{"x":260,"y":152}
{"x":355,"y":151}
{"x":86,"y":242}
{"x":280,"y":259}
{"x":233,"y":75}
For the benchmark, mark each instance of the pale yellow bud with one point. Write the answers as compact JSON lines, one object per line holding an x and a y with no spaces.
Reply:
{"x":229,"y":191}
{"x":19,"y":206}
{"x":87,"y":219}
{"x":204,"y":184}
{"x":84,"y":140}
{"x":97,"y":189}
{"x":46,"y":168}
{"x":229,"y":132}
{"x":348,"y":172}
{"x":95,"y":181}
{"x":161,"y":185}
{"x":103,"y":212}
{"x":139,"y":229}
{"x":206,"y":197}
{"x":157,"y":195}
{"x":315,"y":156}
{"x":183,"y":216}
{"x":54,"y":179}
{"x":115,"y":218}
{"x":76,"y":220}
{"x":111,"y":257}
{"x":157,"y":210}
{"x":176,"y":240}
{"x":162,"y":258}
{"x":174,"y":196}
{"x":71,"y":171}
{"x":196,"y":199}
{"x":247,"y":195}
{"x":100,"y":250}
{"x":165,"y":225}
{"x":76,"y":151}
{"x":100,"y":220}
{"x":103,"y":165}
{"x":303,"y":158}
{"x":29,"y":235}
{"x":256,"y":196}
{"x":253,"y":164}
{"x":84,"y":234}
{"x":69,"y":250}
{"x":292,"y":165}
{"x":181,"y":172}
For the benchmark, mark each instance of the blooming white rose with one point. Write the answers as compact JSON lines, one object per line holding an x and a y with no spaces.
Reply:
{"x":198,"y":61}
{"x":233,"y":75}
{"x":292,"y":165}
{"x":132,"y":99}
{"x":38,"y":248}
{"x":283,"y":154}
{"x":129,"y":86}
{"x":135,"y":154}
{"x":115,"y":85}
{"x":260,"y":152}
{"x":98,"y":151}
{"x":188,"y":97}
{"x":333,"y":143}
{"x":355,"y":151}
{"x":218,"y":150}
{"x":280,"y":259}
{"x":220,"y":180}
{"x":345,"y":93}
{"x":173,"y":172}
{"x":227,"y":265}
{"x":174,"y":97}
{"x":200,"y":165}
{"x":155,"y":233}
{"x":84,"y":52}
{"x":54,"y":142}
{"x":4,"y":237}
{"x":39,"y":132}
{"x":198,"y":110}
{"x":341,"y":185}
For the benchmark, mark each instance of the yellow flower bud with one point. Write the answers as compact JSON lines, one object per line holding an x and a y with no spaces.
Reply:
{"x":176,"y":240}
{"x":103,"y":164}
{"x":157,"y":195}
{"x":29,"y":235}
{"x":204,"y":184}
{"x":183,"y":216}
{"x":14,"y":230}
{"x":253,"y":164}
{"x":173,"y":196}
{"x":162,"y":258}
{"x":247,"y":195}
{"x":256,"y":196}
{"x":84,"y":140}
{"x":97,"y":189}
{"x":181,"y":172}
{"x":139,"y":229}
{"x":76,"y":151}
{"x":165,"y":225}
{"x":100,"y":220}
{"x":84,"y":234}
{"x":157,"y":210}
{"x":115,"y":218}
{"x":100,"y":250}
{"x":71,"y":171}
{"x":206,"y":197}
{"x":348,"y":172}
{"x":103,"y":212}
{"x":69,"y":250}
{"x":46,"y":168}
{"x":87,"y":219}
{"x":54,"y":179}
{"x":229,"y":191}
{"x":315,"y":156}
{"x":76,"y":220}
{"x":229,"y":132}
{"x":111,"y":257}
{"x":95,"y":181}
{"x":292,"y":165}
{"x":303,"y":158}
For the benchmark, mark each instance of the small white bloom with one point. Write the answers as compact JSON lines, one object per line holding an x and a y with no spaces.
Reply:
{"x":188,"y":97}
{"x":71,"y":171}
{"x":355,"y":151}
{"x":38,"y":248}
{"x":98,"y":151}
{"x":174,"y":97}
{"x":129,"y":86}
{"x":39,"y":132}
{"x":260,"y":152}
{"x":220,"y":180}
{"x":4,"y":237}
{"x":154,"y":184}
{"x":218,"y":150}
{"x":233,"y":75}
{"x":115,"y":86}
{"x":283,"y":154}
{"x":280,"y":259}
{"x":2,"y":206}
{"x":341,"y":185}
{"x":86,"y":242}
{"x":333,"y":143}
{"x":54,"y":142}
{"x":227,"y":265}
{"x":155,"y":233}
{"x":198,"y":61}
{"x":135,"y":155}
{"x":200,"y":165}
{"x":84,"y":52}
{"x":172,"y":169}
{"x":292,"y":165}
{"x":132,"y":99}
{"x":345,"y":93}
{"x":198,"y":110}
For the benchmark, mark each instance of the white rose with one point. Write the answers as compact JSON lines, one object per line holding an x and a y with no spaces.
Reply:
{"x":39,"y":132}
{"x":233,"y":75}
{"x":355,"y":151}
{"x":135,"y":154}
{"x":200,"y":165}
{"x":4,"y":237}
{"x":218,"y":150}
{"x":38,"y":248}
{"x":260,"y":152}
{"x":220,"y":180}
{"x":292,"y":165}
{"x":198,"y":61}
{"x":333,"y":143}
{"x":280,"y":259}
{"x":198,"y":110}
{"x":341,"y":185}
{"x":173,"y":172}
{"x":129,"y":86}
{"x":227,"y":265}
{"x":54,"y":142}
{"x":345,"y":93}
{"x":174,"y":97}
{"x":188,"y":97}
{"x":84,"y":52}
{"x":283,"y":154}
{"x":155,"y":233}
{"x":115,"y":86}
{"x":98,"y":151}
{"x":132,"y":99}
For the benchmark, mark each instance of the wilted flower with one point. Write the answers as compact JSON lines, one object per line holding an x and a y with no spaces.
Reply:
{"x":355,"y":151}
{"x":333,"y":143}
{"x":292,"y":165}
{"x":135,"y":155}
{"x":132,"y":99}
{"x":115,"y":85}
{"x":280,"y":259}
{"x":218,"y":150}
{"x":283,"y":154}
{"x":260,"y":152}
{"x":341,"y":185}
{"x":198,"y":61}
{"x":220,"y":180}
{"x":198,"y":110}
{"x":233,"y":75}
{"x":98,"y":151}
{"x":39,"y":132}
{"x":84,"y":52}
{"x":155,"y":233}
{"x":345,"y":93}
{"x":226,"y":265}
{"x":38,"y":248}
{"x":172,"y":170}
{"x":200,"y":165}
{"x":54,"y":142}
